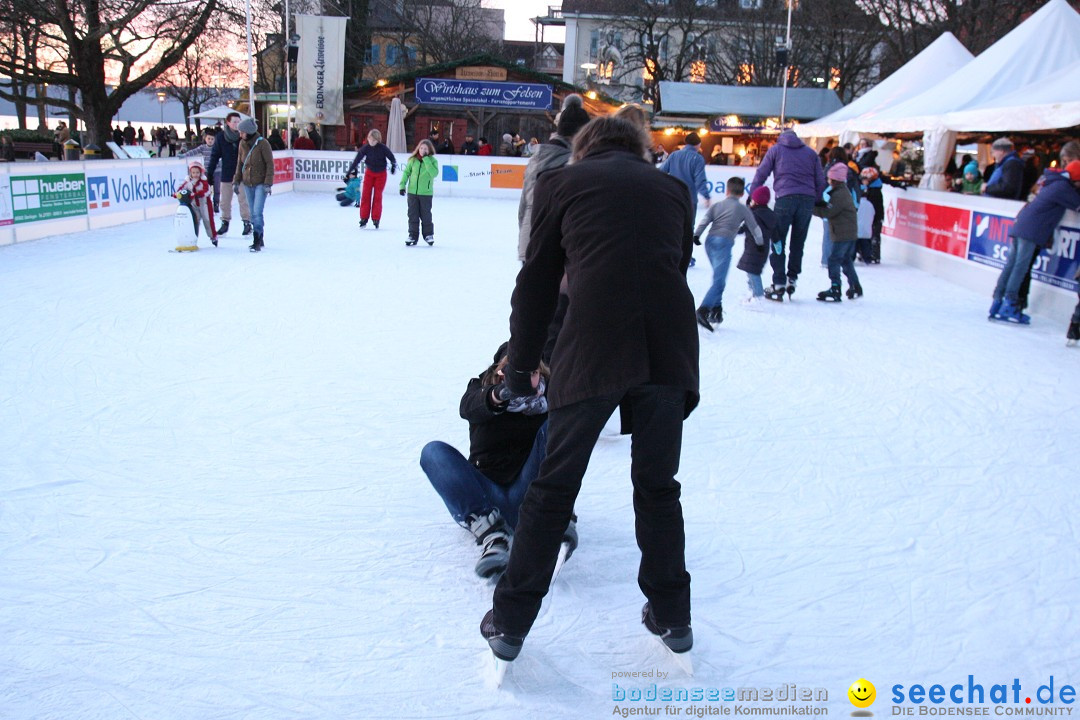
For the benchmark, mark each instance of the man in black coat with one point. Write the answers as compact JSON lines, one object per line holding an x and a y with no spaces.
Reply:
{"x":622,"y":233}
{"x":225,"y":151}
{"x":1007,"y":180}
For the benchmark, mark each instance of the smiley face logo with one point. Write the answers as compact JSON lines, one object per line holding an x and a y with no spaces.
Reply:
{"x":862,"y":693}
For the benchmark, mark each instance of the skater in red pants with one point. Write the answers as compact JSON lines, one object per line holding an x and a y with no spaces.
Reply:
{"x":375,"y":157}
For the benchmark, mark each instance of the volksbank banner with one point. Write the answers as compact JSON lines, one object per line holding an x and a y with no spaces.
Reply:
{"x":134,"y":187}
{"x":320,"y":69}
{"x":518,"y":96}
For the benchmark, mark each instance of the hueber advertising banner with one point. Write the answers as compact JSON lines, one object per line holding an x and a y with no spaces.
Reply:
{"x":320,"y":70}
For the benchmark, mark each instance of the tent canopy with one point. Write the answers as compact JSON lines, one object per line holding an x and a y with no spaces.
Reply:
{"x":939,"y":59}
{"x":1038,"y":47}
{"x":699,"y":99}
{"x":1049,"y":103}
{"x":218,"y":113}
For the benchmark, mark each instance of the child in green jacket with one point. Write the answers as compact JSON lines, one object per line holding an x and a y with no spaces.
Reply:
{"x":417,"y":182}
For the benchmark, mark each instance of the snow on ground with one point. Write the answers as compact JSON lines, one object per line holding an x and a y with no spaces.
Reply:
{"x":211,"y":505}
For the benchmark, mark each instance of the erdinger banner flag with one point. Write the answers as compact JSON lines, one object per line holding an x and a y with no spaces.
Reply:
{"x":320,"y":70}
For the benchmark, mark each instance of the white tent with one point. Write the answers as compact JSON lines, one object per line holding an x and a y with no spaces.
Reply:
{"x":1043,"y":44}
{"x":1048,"y":103}
{"x":940,"y":59}
{"x":217,"y":113}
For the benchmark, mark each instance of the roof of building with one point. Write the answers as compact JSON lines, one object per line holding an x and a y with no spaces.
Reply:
{"x":700,"y":99}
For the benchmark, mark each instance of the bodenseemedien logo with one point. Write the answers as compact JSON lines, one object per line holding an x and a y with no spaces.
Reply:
{"x":862,"y":694}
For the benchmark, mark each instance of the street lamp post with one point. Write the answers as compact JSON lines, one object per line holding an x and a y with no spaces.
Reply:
{"x":787,"y":67}
{"x":161,"y":105}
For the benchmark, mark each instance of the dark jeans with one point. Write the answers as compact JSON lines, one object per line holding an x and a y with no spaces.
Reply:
{"x":1016,"y":265}
{"x":420,"y":212}
{"x":655,"y":448}
{"x":842,"y":257}
{"x":1076,"y":312}
{"x":794,"y":212}
{"x":467,"y":491}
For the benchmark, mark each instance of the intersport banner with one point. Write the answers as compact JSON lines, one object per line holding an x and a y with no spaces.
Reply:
{"x":320,"y":69}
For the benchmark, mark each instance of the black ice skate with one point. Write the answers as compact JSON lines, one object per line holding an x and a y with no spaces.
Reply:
{"x":855,"y":291}
{"x":774,"y":293}
{"x":716,"y":315}
{"x":412,"y":241}
{"x":247,"y":228}
{"x":703,"y":318}
{"x":678,"y":640}
{"x":363,"y":222}
{"x":791,"y":287}
{"x":429,"y":239}
{"x":257,"y":246}
{"x":504,"y":648}
{"x":1073,"y":334}
{"x":375,"y":223}
{"x":224,"y":227}
{"x":830,"y":295}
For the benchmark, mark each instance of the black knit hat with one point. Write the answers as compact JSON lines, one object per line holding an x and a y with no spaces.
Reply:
{"x":572,"y":118}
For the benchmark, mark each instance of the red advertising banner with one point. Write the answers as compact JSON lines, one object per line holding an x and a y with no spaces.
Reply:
{"x":938,"y":227}
{"x":283,"y":169}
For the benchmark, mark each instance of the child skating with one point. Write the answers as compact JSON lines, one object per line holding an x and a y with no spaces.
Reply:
{"x":843,"y":225}
{"x":417,"y":183}
{"x":196,"y":192}
{"x":724,"y":217}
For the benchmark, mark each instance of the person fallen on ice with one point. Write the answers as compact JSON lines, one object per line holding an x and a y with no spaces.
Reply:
{"x":350,"y":194}
{"x":507,"y":442}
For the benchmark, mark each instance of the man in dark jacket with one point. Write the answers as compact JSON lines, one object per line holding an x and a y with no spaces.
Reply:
{"x":226,"y":147}
{"x":129,"y":134}
{"x":1007,"y":181}
{"x":622,"y":233}
{"x":469,"y":147}
{"x":798,"y":181}
{"x":314,"y":136}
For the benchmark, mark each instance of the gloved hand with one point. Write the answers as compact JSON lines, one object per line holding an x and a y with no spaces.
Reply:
{"x":697,"y":239}
{"x":402,"y":192}
{"x":345,"y":178}
{"x":778,"y":248}
{"x":535,"y":405}
{"x":393,"y":170}
{"x":236,"y":188}
{"x":516,"y":384}
{"x":759,"y":243}
{"x":269,"y":189}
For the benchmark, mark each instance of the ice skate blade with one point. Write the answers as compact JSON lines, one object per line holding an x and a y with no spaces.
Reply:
{"x":564,"y":550}
{"x":498,"y":671}
{"x":683,"y":660}
{"x":1070,"y":343}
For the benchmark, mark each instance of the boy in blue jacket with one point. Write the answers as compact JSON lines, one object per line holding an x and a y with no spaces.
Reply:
{"x":1032,"y":231}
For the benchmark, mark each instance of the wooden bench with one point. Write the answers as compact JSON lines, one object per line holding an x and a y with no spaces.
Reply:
{"x":27,"y":149}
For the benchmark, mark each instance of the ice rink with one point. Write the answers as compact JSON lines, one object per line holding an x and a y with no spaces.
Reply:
{"x":211,"y":504}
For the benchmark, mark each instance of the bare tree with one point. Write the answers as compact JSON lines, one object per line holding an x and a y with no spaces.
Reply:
{"x":202,"y":76}
{"x":131,"y":42}
{"x":914,"y":24}
{"x":446,"y":30}
{"x":661,"y":41}
{"x":19,"y":40}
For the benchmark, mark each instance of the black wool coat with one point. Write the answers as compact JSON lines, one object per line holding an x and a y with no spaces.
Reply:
{"x":754,"y":256}
{"x":622,"y":231}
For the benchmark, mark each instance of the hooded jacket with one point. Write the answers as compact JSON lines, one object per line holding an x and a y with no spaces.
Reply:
{"x":1037,"y":219}
{"x":689,"y":166}
{"x":754,"y":255}
{"x":1007,"y":180}
{"x":796,"y":169}
{"x":553,"y":154}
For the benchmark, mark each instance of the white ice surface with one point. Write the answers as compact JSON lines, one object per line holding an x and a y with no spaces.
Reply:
{"x":211,"y":505}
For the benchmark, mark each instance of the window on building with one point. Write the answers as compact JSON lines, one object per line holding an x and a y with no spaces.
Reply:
{"x":594,"y":44}
{"x":392,"y":55}
{"x":412,"y":55}
{"x":371,"y":57}
{"x":750,"y":4}
{"x":745,"y":76}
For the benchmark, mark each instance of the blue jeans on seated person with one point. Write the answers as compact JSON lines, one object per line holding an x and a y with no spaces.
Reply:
{"x":1016,"y":266}
{"x":467,"y":491}
{"x":719,"y":251}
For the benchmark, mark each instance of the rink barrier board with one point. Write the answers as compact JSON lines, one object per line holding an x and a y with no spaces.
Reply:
{"x":40,"y":199}
{"x":960,"y":238}
{"x":965,"y":239}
